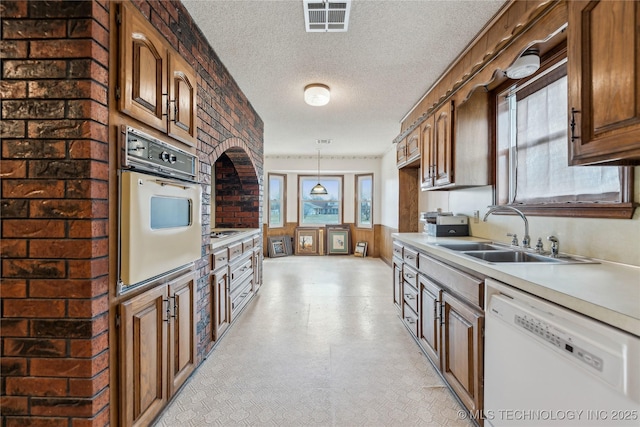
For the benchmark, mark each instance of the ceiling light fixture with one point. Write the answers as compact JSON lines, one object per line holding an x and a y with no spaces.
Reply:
{"x":318,"y":189}
{"x":527,"y":64}
{"x":317,"y":94}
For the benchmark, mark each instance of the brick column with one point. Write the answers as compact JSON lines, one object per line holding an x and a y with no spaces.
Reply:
{"x":54,"y":318}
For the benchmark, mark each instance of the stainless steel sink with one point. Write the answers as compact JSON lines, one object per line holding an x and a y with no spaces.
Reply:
{"x":471,"y":246}
{"x":511,"y":256}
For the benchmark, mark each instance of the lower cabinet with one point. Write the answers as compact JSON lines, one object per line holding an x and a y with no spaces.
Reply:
{"x":220,"y":302}
{"x":157,"y":348}
{"x":441,"y":308}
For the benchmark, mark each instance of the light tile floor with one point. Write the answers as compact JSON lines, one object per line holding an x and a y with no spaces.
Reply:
{"x":321,"y":344}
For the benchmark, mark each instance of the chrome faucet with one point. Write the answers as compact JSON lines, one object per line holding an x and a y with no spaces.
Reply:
{"x":555,"y":246}
{"x":526,"y":240}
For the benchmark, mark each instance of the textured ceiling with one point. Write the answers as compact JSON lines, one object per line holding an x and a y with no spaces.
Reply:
{"x":377,"y":71}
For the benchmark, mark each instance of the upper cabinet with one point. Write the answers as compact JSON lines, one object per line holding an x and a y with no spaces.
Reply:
{"x":156,"y":86}
{"x":437,"y":148}
{"x":408,"y":150}
{"x":604,"y":82}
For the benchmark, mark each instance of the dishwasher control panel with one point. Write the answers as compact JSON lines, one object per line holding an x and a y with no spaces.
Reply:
{"x":588,"y":346}
{"x":557,"y":338}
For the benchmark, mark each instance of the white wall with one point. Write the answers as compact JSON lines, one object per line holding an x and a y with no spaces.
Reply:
{"x":348,"y":166}
{"x":610,"y":239}
{"x":389,"y":194}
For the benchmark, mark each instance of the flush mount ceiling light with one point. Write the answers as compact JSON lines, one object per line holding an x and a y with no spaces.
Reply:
{"x":317,"y":94}
{"x":526,"y":65}
{"x":318,"y":189}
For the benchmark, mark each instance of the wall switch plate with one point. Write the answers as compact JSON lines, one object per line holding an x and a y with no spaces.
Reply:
{"x":476,"y":217}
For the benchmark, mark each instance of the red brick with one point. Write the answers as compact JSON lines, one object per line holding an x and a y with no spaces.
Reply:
{"x":101,"y":419}
{"x":67,"y":89}
{"x":13,"y":288}
{"x":87,"y":109}
{"x":72,"y":209}
{"x":14,"y":328}
{"x":67,"y":288}
{"x":12,"y":129}
{"x":68,"y":249}
{"x":13,"y":366}
{"x":36,"y":422}
{"x":87,"y":269}
{"x":13,"y":89}
{"x":88,"y":149}
{"x":88,"y":69}
{"x":30,"y":108}
{"x":13,"y":248}
{"x":86,"y":228}
{"x":30,"y":347}
{"x":13,"y":169}
{"x":32,"y":189}
{"x":14,"y":9}
{"x":90,"y":347}
{"x":30,"y":28}
{"x":63,"y":48}
{"x":34,"y":308}
{"x":33,"y":228}
{"x":71,"y":368}
{"x":87,"y":189}
{"x":34,"y":149}
{"x":34,"y":69}
{"x":13,"y":48}
{"x":88,"y":308}
{"x":14,"y":405}
{"x":30,"y":386}
{"x":32,"y":268}
{"x":88,"y":28}
{"x":81,"y":387}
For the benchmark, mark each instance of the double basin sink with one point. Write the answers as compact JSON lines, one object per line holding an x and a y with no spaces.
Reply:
{"x":499,"y":253}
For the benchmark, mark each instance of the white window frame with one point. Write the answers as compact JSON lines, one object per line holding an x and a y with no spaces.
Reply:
{"x":280,"y":198}
{"x":306,"y":182}
{"x":361,"y":195}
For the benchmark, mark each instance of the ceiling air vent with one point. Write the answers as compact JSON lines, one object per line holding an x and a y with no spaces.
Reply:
{"x":326,"y":16}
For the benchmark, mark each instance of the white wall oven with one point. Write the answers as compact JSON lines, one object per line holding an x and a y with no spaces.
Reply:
{"x":160,"y":227}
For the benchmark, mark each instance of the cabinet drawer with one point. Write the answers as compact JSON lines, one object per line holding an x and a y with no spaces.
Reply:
{"x":410,"y":257}
{"x":411,"y":296}
{"x":397,"y":250}
{"x":235,"y":250}
{"x":469,"y":287}
{"x":256,"y":240}
{"x":410,"y":276}
{"x":219,"y":258}
{"x":241,"y":295}
{"x":240,"y":270}
{"x":410,"y":319}
{"x":247,"y":245}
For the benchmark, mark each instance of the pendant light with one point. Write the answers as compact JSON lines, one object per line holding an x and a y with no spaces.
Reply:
{"x":318,"y":189}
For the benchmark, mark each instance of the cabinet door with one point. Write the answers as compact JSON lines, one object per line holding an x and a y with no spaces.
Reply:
{"x":443,"y":145}
{"x":257,"y":268}
{"x":143,"y":70}
{"x":182,"y":330}
{"x":462,"y":349}
{"x":429,"y":304}
{"x":401,"y":153}
{"x":427,"y":160}
{"x":143,"y":356}
{"x":604,"y":82}
{"x":182,"y":100}
{"x":397,"y":284}
{"x":220,"y":303}
{"x":413,"y":145}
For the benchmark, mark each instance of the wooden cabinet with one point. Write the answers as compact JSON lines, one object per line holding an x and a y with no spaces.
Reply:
{"x":429,"y":310}
{"x":437,"y":151}
{"x":604,"y":82}
{"x":157,"y":348}
{"x":462,"y":350}
{"x":441,"y":306}
{"x":408,"y":150}
{"x":220,"y":302}
{"x":156,"y":86}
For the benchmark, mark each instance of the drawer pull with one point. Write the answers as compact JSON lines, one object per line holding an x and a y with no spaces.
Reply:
{"x":409,"y":296}
{"x":409,"y":257}
{"x":410,"y":320}
{"x":409,"y":275}
{"x":220,"y":259}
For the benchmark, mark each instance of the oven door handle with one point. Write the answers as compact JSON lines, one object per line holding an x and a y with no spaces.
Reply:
{"x":164,"y":182}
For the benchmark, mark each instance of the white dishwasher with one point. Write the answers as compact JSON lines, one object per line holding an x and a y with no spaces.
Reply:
{"x":548,"y":366}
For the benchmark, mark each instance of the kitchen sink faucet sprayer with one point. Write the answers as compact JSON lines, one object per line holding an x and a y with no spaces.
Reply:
{"x":526,"y":240}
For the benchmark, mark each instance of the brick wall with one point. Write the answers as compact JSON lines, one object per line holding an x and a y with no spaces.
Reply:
{"x":237,"y":195}
{"x":55,"y":198}
{"x":55,"y":357}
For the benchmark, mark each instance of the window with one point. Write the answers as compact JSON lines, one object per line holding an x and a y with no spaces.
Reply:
{"x":320,"y":210}
{"x":364,"y":201}
{"x":277,"y":200}
{"x":532,"y":152}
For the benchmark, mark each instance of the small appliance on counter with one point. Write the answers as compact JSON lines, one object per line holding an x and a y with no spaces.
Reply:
{"x":443,"y":224}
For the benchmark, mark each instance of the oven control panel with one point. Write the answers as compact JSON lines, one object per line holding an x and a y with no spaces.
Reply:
{"x":147,"y":153}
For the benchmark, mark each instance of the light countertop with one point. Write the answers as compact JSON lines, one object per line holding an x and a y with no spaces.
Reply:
{"x":607,"y":291}
{"x":231,"y":235}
